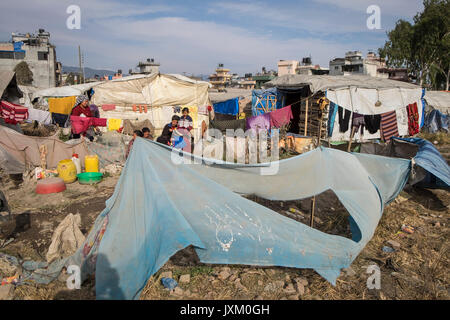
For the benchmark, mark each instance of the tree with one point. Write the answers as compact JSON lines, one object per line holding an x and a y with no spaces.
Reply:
{"x":24,"y":75}
{"x":423,"y":47}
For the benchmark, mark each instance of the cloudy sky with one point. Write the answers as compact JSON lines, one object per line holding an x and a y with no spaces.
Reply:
{"x":193,"y":36}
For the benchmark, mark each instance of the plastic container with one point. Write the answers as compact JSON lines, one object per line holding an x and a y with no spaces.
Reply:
{"x":67,"y":171}
{"x":50,"y":185}
{"x":89,"y":177}
{"x":91,"y":163}
{"x":76,"y":162}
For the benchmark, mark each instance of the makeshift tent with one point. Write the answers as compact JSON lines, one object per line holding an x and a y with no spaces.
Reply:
{"x":359,"y":94}
{"x":264,"y":101}
{"x":438,"y":100}
{"x":167,"y":207}
{"x":229,"y":107}
{"x":9,"y":89}
{"x":159,"y":93}
{"x":65,"y":91}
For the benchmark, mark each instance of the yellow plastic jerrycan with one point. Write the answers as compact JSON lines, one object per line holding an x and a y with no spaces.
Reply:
{"x":67,"y":171}
{"x":91,"y":163}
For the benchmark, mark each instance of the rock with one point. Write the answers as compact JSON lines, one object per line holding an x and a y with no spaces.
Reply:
{"x":224,"y":275}
{"x":233,"y":277}
{"x":289,"y":289}
{"x":437,"y":224}
{"x":260,"y":282}
{"x":349,"y":271}
{"x":178,"y":291}
{"x":166,"y":274}
{"x":274,"y":286}
{"x":394,"y":244}
{"x":215,"y":283}
{"x":294,"y":297}
{"x":6,"y":292}
{"x":185,"y":278}
{"x":258,"y":298}
{"x":188,"y":293}
{"x":239,"y":285}
{"x":284,"y":298}
{"x":300,"y":288}
{"x":227,"y":269}
{"x":301,"y":280}
{"x":288,"y":278}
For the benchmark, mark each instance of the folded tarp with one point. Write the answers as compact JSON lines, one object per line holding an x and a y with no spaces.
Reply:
{"x":230,"y":107}
{"x":159,"y":208}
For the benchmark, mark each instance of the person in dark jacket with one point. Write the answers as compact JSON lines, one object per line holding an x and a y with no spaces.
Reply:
{"x":166,"y":134}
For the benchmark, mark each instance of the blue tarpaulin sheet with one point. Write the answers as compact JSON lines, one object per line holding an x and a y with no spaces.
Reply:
{"x":230,"y":107}
{"x":435,"y":121}
{"x":259,"y":98}
{"x":160,"y":207}
{"x":429,"y":158}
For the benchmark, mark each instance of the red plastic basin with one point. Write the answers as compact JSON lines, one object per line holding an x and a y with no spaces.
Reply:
{"x":50,"y":185}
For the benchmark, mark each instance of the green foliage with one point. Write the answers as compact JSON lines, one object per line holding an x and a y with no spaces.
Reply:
{"x":424,"y":46}
{"x":24,"y":75}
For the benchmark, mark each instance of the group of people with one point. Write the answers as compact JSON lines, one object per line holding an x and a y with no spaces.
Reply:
{"x":181,"y":126}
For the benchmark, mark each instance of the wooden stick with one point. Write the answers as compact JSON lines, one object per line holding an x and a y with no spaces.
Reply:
{"x":351,"y":138}
{"x":306,"y":117}
{"x":313,"y":206}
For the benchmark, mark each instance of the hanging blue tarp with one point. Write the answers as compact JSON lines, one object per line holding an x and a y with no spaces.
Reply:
{"x":435,"y":121}
{"x":430,"y":159}
{"x":230,"y":107}
{"x":159,"y":208}
{"x":259,"y":98}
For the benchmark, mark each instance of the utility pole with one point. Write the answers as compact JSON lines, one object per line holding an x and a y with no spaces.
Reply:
{"x":79,"y":61}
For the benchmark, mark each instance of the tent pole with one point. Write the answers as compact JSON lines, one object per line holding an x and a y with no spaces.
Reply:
{"x":351,"y":139}
{"x":306,"y":117}
{"x":313,"y":206}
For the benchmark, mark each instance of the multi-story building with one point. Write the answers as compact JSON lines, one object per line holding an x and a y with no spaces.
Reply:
{"x":146,"y":67}
{"x":263,"y":77}
{"x":307,"y":68}
{"x":37,"y":52}
{"x":221,"y":79}
{"x":354,"y":64}
{"x":287,"y":67}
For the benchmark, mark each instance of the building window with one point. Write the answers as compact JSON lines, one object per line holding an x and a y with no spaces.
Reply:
{"x":19,"y":55}
{"x":6,"y":54}
{"x":336,"y":68}
{"x":42,"y":55}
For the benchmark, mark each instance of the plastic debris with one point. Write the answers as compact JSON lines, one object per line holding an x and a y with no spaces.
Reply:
{"x":169,"y":283}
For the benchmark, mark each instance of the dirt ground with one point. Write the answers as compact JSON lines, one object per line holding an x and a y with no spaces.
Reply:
{"x":418,"y":269}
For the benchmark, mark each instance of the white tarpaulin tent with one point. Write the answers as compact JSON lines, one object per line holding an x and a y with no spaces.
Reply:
{"x":356,"y":93}
{"x":439,"y":100}
{"x":156,"y":90}
{"x":65,"y":91}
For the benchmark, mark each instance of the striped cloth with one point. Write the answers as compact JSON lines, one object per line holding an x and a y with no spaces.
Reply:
{"x":13,"y":113}
{"x":388,"y":125}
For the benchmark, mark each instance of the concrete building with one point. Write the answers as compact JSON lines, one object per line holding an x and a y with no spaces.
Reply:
{"x":306,"y":67}
{"x":221,"y":79}
{"x":354,"y":64}
{"x":146,"y":67}
{"x":287,"y":67}
{"x":37,"y":52}
{"x":263,"y":77}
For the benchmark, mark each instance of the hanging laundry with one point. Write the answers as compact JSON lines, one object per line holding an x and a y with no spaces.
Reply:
{"x":261,"y":122}
{"x":389,"y":126}
{"x":61,"y":105}
{"x":114,"y":124}
{"x":344,"y":119}
{"x":227,"y":107}
{"x":331,"y":117}
{"x":60,"y":119}
{"x":358,"y":122}
{"x":372,"y":123}
{"x":109,"y":107}
{"x":177,"y":109}
{"x":41,"y":116}
{"x":413,"y":119}
{"x":13,"y":113}
{"x":281,"y":117}
{"x":82,"y":124}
